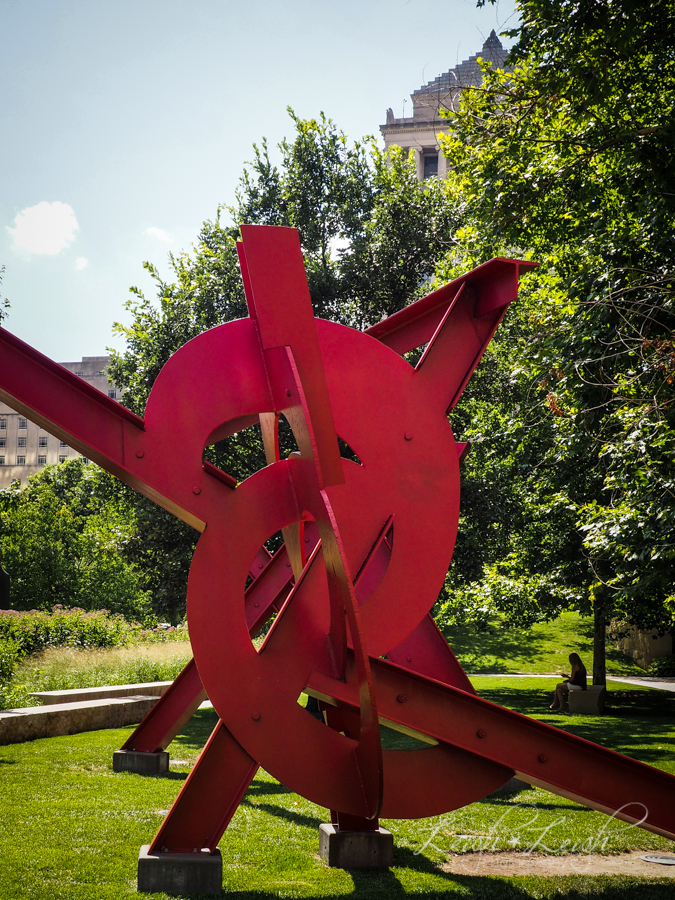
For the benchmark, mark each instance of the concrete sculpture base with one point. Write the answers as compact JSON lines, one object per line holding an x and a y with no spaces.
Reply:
{"x":140,"y":762}
{"x":180,"y":873}
{"x":356,"y":849}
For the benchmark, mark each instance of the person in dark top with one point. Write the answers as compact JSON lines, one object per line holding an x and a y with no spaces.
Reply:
{"x":575,"y":682}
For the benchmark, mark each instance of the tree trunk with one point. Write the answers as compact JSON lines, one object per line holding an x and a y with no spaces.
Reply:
{"x":599,"y":638}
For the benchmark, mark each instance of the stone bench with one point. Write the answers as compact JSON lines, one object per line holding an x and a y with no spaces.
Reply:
{"x":590,"y":702}
{"x":148,"y":689}
{"x":31,"y":722}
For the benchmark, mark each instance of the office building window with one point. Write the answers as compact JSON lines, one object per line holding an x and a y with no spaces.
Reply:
{"x":84,"y":459}
{"x":112,"y":395}
{"x":3,"y":424}
{"x":62,"y":458}
{"x":21,"y":460}
{"x":23,"y":423}
{"x":42,"y":460}
{"x":2,"y":460}
{"x":42,"y":442}
{"x":80,"y":374}
{"x":62,"y":444}
{"x":21,"y":442}
{"x":430,"y":164}
{"x":3,"y":442}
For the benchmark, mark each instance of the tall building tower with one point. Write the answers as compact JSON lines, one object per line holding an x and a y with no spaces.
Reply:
{"x":420,"y":131}
{"x":25,"y":447}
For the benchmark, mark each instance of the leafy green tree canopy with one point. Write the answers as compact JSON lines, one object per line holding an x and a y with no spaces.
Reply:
{"x":567,"y":157}
{"x":63,"y":537}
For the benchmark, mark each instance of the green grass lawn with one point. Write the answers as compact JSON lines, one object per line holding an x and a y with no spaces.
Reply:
{"x":539,"y":649}
{"x":71,"y":828}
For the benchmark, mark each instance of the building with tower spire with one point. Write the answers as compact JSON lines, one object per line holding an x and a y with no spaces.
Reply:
{"x":420,"y":131}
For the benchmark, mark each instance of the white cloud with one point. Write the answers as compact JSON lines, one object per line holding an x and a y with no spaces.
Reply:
{"x":45,"y":229}
{"x":159,"y":233}
{"x":81,"y":263}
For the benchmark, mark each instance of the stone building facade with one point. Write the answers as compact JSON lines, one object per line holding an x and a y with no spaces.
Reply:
{"x":25,"y":447}
{"x":420,"y":131}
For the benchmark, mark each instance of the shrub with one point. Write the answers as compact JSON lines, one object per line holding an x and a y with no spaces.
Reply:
{"x":35,"y":630}
{"x":9,"y":655}
{"x":663,"y":666}
{"x":165,"y":634}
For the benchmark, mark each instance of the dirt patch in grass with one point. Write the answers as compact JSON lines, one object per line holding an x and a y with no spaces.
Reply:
{"x":513,"y":862}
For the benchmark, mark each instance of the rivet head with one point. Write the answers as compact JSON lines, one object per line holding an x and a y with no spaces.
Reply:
{"x":288,"y":393}
{"x":401,"y":698}
{"x":256,"y":605}
{"x":260,"y":565}
{"x":480,"y":733}
{"x":196,"y":490}
{"x":408,"y":436}
{"x":288,"y":564}
{"x":256,"y":716}
{"x":140,"y":454}
{"x":542,"y":758}
{"x":408,"y":658}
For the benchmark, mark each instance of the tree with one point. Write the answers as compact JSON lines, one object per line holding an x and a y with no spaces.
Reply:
{"x":63,"y":537}
{"x":371,"y":234}
{"x":568,"y":158}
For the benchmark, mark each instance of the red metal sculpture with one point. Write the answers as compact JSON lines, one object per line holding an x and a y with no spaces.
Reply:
{"x":367,"y":545}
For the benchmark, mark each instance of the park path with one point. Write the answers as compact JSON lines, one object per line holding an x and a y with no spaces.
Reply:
{"x":659,"y":684}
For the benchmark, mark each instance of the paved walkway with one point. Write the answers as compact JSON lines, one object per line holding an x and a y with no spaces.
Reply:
{"x":659,"y":684}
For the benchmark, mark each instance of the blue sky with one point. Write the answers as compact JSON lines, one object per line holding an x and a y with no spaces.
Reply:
{"x":123,"y":126}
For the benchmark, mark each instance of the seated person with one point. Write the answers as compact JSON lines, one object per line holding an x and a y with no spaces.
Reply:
{"x":575,"y":682}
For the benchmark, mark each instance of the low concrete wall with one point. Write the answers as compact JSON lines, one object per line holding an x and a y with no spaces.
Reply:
{"x":29,"y":723}
{"x":148,"y":689}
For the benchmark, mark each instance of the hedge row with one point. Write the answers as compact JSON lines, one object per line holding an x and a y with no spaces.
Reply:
{"x":36,"y":630}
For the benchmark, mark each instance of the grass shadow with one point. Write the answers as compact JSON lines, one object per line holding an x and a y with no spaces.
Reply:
{"x":281,"y":812}
{"x":543,"y":647}
{"x":259,"y":787}
{"x":170,"y":776}
{"x":197,"y":731}
{"x":504,"y":650}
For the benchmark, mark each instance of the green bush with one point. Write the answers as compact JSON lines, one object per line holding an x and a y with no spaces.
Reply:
{"x":664,"y":666}
{"x":36,"y":630}
{"x":9,"y":655}
{"x":63,"y":541}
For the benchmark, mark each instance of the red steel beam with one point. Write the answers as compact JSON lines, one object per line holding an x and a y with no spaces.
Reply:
{"x":177,"y":706}
{"x":495,"y":285}
{"x":64,"y":404}
{"x":209,"y":797}
{"x":82,"y":416}
{"x":426,"y":652}
{"x":538,"y":753}
{"x":170,"y":714}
